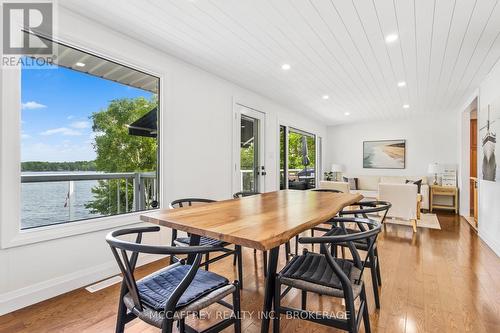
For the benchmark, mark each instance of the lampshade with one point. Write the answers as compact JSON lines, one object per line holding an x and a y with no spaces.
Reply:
{"x":337,"y":168}
{"x":434,"y":168}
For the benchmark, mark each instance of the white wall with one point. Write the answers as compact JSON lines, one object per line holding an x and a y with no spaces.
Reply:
{"x":489,"y":192}
{"x":427,"y":140}
{"x":197,"y":110}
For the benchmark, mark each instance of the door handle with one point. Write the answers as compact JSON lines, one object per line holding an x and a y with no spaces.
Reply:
{"x":263,"y":173}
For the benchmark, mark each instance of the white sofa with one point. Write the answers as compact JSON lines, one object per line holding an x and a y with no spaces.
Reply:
{"x":368,"y":186}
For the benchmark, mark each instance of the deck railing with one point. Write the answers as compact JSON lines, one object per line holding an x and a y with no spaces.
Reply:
{"x":144,"y":187}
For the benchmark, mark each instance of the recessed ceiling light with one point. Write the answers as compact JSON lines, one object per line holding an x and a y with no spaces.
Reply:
{"x":406,"y":106}
{"x":286,"y":67}
{"x":391,"y":38}
{"x":347,"y":114}
{"x":326,"y":97}
{"x":401,"y":84}
{"x":80,"y":64}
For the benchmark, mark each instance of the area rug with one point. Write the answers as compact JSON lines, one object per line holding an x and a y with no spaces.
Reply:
{"x":426,"y":221}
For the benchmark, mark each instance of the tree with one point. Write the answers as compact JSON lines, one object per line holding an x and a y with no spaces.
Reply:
{"x":295,"y":151}
{"x":117,"y":151}
{"x":247,"y":162}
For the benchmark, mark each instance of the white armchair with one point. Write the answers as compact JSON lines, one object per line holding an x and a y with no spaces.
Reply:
{"x":330,"y":185}
{"x":404,"y":200}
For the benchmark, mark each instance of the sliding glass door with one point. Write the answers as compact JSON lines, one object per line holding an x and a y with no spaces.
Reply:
{"x":298,"y":167}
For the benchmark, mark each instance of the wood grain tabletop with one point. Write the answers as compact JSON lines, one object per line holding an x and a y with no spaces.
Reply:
{"x":261,"y":222}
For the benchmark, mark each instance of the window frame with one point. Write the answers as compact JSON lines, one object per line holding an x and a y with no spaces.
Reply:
{"x":11,"y":234}
{"x":318,"y":152}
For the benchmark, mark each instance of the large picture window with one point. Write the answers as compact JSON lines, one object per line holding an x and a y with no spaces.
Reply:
{"x":298,"y":167}
{"x":89,"y":143}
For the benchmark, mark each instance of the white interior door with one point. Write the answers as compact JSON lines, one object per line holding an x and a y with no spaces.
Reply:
{"x":249,"y":150}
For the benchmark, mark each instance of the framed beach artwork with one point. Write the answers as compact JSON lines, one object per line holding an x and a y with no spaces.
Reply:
{"x":384,"y":154}
{"x":489,"y":125}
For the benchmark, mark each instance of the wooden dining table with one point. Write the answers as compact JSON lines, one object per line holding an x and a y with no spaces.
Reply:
{"x":262,"y":222}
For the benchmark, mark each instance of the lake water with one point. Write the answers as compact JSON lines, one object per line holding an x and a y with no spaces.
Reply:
{"x":45,"y":203}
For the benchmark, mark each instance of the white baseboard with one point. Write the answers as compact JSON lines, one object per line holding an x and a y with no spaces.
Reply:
{"x":492,"y":243}
{"x":20,"y":298}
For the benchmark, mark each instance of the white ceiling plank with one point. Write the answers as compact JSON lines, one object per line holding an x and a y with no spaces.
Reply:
{"x":335,"y":47}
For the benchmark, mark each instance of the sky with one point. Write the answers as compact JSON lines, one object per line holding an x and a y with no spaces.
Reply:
{"x":56,"y":106}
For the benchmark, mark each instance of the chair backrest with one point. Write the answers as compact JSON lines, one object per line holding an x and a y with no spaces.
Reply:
{"x":326,"y":190}
{"x":243,"y":194}
{"x":339,"y":186}
{"x":368,"y":207}
{"x":339,"y":235}
{"x":189,"y":202}
{"x":403,"y":198}
{"x":126,"y":254}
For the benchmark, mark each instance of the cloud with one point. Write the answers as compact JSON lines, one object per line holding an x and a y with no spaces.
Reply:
{"x":61,"y":130}
{"x":80,"y":124}
{"x":25,"y":136}
{"x":38,"y":151}
{"x":32,"y":105}
{"x":70,"y":117}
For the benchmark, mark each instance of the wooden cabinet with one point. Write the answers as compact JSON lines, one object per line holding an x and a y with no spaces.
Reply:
{"x":449,"y":191}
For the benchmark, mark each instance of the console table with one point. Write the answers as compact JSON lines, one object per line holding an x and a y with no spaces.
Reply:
{"x":449,"y":191}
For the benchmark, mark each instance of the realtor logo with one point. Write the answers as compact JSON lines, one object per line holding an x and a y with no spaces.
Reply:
{"x":20,"y":18}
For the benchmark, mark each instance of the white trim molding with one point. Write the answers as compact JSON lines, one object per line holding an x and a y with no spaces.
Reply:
{"x":20,"y":298}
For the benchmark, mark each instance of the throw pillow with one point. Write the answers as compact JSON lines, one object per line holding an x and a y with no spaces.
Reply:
{"x":353,"y":182}
{"x":416,"y":182}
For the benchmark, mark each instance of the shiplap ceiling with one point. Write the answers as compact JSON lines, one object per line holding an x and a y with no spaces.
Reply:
{"x":335,"y":48}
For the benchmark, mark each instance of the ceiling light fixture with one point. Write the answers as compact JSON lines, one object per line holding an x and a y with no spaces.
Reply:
{"x":286,"y":67}
{"x":406,"y":106}
{"x":80,"y":64}
{"x":401,"y":84}
{"x":347,"y":114}
{"x":391,"y":38}
{"x":326,"y":97}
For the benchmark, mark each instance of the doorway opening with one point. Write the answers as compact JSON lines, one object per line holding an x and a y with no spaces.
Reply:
{"x":299,"y":153}
{"x":472,"y":115}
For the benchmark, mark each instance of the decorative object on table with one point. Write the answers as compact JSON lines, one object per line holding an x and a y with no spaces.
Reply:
{"x":449,"y":176}
{"x":328,"y":176}
{"x":434,"y":168}
{"x":490,"y":168}
{"x":353,"y":182}
{"x":337,"y":169}
{"x":384,"y":154}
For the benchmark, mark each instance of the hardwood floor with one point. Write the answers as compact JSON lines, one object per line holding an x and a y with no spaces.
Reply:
{"x":434,"y":281}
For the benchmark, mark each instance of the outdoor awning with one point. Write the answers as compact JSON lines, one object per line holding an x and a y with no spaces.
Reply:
{"x":145,"y":126}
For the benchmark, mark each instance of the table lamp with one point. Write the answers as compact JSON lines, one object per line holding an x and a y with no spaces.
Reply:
{"x":336,"y":169}
{"x":434,"y":168}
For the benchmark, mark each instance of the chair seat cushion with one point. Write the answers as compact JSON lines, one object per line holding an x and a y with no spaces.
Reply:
{"x":204,"y":241}
{"x":311,"y":272}
{"x":156,"y":289}
{"x":156,"y":318}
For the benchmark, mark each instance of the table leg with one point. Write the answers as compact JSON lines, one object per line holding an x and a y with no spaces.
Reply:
{"x":194,"y":240}
{"x":270,"y":286}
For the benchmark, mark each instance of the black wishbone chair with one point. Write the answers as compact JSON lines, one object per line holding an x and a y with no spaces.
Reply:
{"x":323,"y":274}
{"x":185,"y":241}
{"x":365,"y":208}
{"x":327,"y":190}
{"x":172,"y":293}
{"x":243,"y":194}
